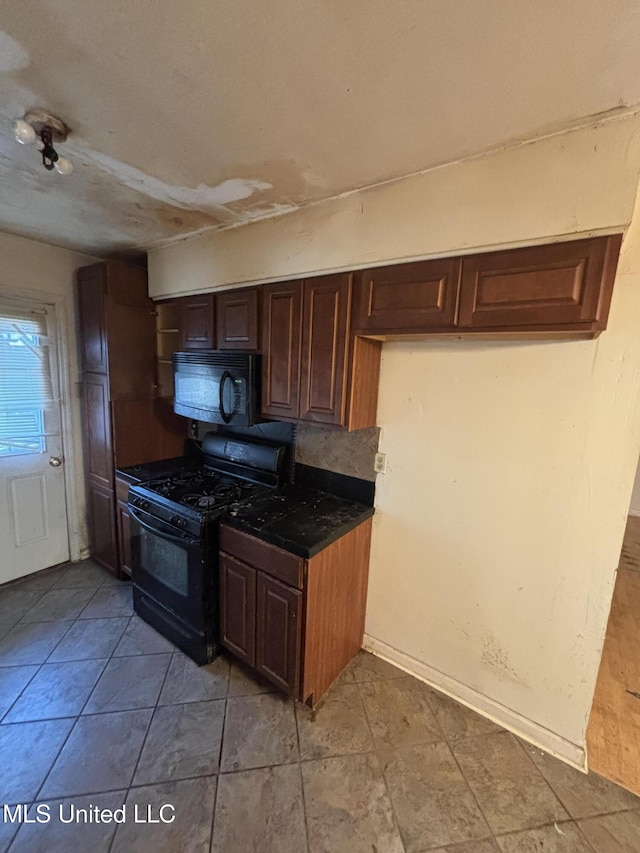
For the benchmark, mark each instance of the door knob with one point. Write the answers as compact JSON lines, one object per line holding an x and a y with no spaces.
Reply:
{"x":55,"y":461}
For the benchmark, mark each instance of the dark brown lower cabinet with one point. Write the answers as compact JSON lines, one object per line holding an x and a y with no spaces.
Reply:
{"x":296,"y":622}
{"x":278,"y":632}
{"x":101,"y":504}
{"x":238,"y":610}
{"x":260,"y":622}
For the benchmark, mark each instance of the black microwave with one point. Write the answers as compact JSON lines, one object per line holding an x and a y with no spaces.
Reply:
{"x":217,"y":386}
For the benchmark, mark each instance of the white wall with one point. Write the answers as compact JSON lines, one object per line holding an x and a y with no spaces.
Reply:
{"x":500,"y":520}
{"x":29,"y":267}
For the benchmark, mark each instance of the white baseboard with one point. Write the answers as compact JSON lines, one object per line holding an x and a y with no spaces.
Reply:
{"x":527,"y":729}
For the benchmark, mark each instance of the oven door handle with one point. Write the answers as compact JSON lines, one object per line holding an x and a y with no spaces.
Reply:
{"x":178,"y":540}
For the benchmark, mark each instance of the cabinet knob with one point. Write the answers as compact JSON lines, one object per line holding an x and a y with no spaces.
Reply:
{"x":55,"y":461}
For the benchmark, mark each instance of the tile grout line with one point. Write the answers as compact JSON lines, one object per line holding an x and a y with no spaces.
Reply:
{"x":384,"y":778}
{"x":44,"y":781}
{"x":64,"y":741}
{"x":305,"y":816}
{"x":543,"y":777}
{"x":215,"y":798}
{"x":92,"y":590}
{"x":10,"y":708}
{"x":473,"y":793}
{"x":144,"y":739}
{"x":450,"y":746}
{"x":553,"y":824}
{"x":571,"y":817}
{"x":41,"y":665}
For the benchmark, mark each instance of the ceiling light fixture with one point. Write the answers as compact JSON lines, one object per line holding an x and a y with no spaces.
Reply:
{"x":42,"y":128}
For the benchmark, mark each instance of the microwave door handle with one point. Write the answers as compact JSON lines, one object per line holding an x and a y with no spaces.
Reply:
{"x":225,"y":417}
{"x":178,"y":540}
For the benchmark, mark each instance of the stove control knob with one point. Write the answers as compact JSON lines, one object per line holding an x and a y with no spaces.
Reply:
{"x":143,"y":504}
{"x":175,"y":519}
{"x":182,"y":522}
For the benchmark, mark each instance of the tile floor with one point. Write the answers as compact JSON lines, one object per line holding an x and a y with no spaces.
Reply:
{"x":96,"y":709}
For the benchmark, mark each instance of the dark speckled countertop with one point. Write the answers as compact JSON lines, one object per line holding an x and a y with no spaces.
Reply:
{"x":301,"y":520}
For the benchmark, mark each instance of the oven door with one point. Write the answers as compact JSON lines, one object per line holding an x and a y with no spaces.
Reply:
{"x":167,"y":565}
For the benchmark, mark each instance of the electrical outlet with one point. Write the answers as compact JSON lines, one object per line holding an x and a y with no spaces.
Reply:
{"x":380,"y":463}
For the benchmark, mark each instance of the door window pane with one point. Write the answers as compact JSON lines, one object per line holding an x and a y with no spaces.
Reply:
{"x":21,"y":431}
{"x":25,"y":381}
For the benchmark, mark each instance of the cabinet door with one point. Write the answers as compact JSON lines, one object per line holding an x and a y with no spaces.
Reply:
{"x":278,"y":633}
{"x":123,"y":524}
{"x":236,"y":313}
{"x":405,"y":298}
{"x":281,"y":306}
{"x":558,"y":284}
{"x":97,"y":426}
{"x":102,"y":526}
{"x":131,"y":335}
{"x":92,"y":287}
{"x":238,"y":608}
{"x":325,"y":326}
{"x":197,"y":322}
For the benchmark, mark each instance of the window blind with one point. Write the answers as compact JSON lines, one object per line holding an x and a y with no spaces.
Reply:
{"x":25,"y":370}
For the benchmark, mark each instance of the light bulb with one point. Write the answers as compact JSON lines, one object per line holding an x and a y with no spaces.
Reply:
{"x":63,"y":166}
{"x":25,"y":134}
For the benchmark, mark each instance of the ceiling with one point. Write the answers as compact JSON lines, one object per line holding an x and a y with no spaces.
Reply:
{"x":213,"y":113}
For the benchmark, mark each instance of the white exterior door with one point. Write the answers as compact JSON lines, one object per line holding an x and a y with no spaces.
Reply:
{"x":33,"y":511}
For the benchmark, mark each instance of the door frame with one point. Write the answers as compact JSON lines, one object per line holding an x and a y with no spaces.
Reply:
{"x":62,"y":307}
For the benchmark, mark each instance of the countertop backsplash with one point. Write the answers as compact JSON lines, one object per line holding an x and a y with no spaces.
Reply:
{"x":350,"y":453}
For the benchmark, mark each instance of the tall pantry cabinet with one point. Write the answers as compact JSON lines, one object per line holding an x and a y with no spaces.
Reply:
{"x":124,"y":423}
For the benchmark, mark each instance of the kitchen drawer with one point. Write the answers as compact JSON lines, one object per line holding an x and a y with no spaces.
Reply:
{"x":280,"y":564}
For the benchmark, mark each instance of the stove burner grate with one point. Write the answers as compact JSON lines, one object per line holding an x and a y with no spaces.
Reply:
{"x":200,"y":501}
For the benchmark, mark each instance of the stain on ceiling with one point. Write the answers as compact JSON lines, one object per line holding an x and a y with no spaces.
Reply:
{"x":214,"y":113}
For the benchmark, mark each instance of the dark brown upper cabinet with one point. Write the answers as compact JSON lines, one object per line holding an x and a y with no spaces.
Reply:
{"x":561,"y":284}
{"x":237,"y":319}
{"x":558,"y":289}
{"x":418,"y":297}
{"x":281,"y":327}
{"x":198,"y":329}
{"x":325,"y":348}
{"x":313,"y":368}
{"x":92,"y":289}
{"x":117,"y":327}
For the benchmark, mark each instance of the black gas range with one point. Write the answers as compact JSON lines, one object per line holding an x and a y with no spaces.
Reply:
{"x":174,"y":536}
